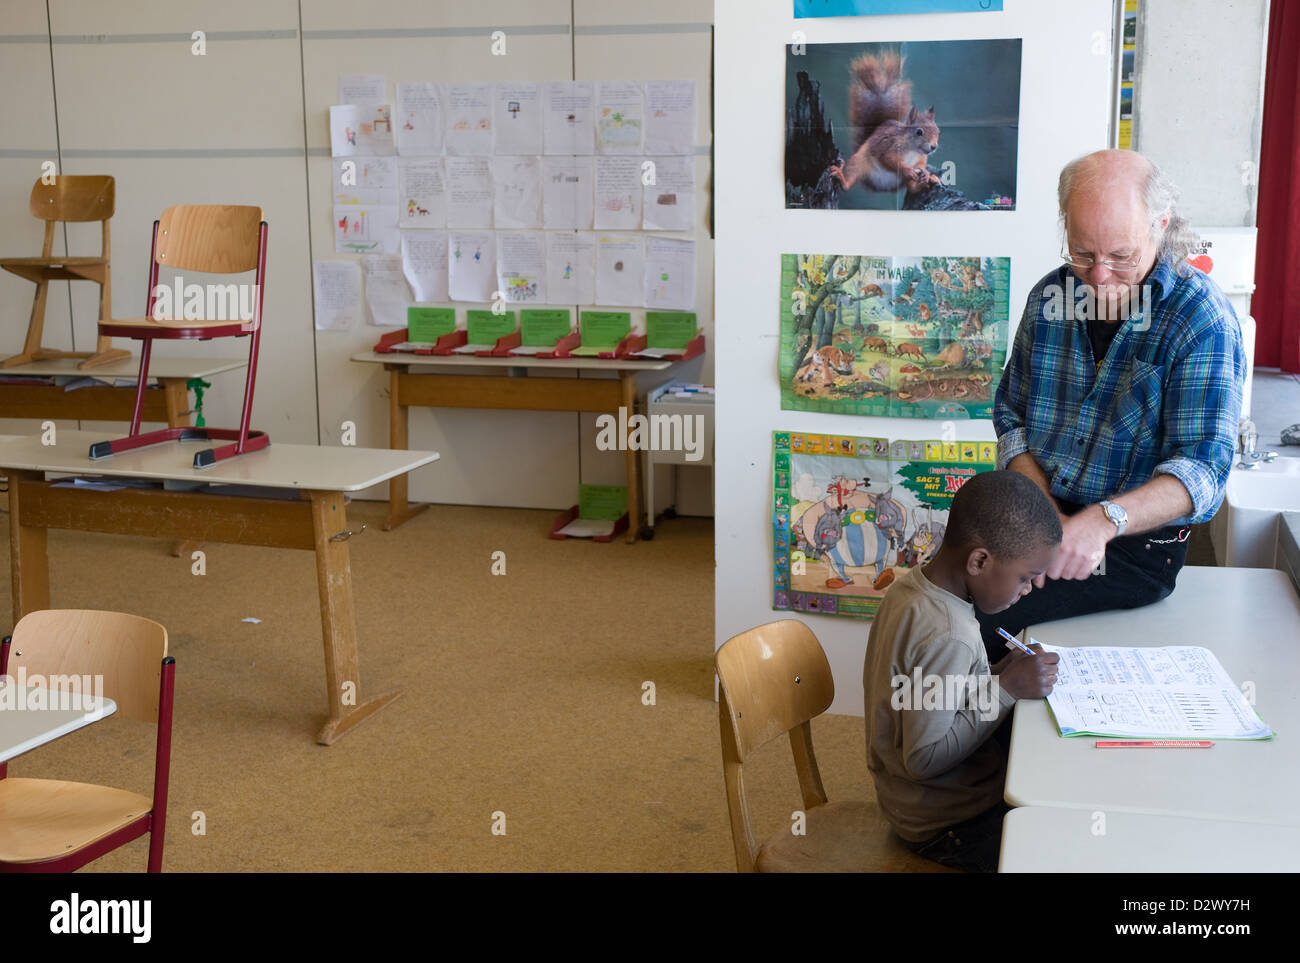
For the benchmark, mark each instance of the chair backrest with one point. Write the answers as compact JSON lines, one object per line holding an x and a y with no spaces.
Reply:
{"x":126,"y":650}
{"x":74,"y":197}
{"x":212,"y":238}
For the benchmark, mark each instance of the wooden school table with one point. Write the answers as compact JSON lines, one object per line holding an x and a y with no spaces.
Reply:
{"x":1250,"y":619}
{"x":170,"y":404}
{"x":442,"y":390}
{"x":315,"y":521}
{"x":1043,"y":839}
{"x":23,"y":729}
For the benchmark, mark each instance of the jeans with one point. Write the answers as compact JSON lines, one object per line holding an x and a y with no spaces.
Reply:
{"x":1139,"y":570}
{"x":972,"y":845}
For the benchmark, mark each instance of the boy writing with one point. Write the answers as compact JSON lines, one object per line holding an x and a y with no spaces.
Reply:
{"x":939,"y":777}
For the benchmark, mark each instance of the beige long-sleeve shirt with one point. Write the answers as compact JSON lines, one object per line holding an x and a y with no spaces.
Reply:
{"x":931,"y":705}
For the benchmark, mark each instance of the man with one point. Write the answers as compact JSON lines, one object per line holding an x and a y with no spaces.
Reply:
{"x":1122,"y":395}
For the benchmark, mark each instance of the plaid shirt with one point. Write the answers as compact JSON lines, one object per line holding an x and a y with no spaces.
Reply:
{"x":1166,"y":399}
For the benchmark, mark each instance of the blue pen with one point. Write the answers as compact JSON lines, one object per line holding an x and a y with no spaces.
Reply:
{"x":1012,"y":640}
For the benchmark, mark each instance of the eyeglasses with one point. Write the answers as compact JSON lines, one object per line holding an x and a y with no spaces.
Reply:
{"x":1086,"y":263}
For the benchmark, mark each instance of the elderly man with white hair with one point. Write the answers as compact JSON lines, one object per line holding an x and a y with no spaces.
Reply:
{"x":1122,"y":394}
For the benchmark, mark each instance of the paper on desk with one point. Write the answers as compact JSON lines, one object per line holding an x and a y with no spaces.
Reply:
{"x":1169,"y":692}
{"x":571,"y":268}
{"x":517,"y":192}
{"x":469,"y":192}
{"x":472,"y":348}
{"x":338,"y":294}
{"x":386,"y":293}
{"x":424,"y":262}
{"x":517,"y":118}
{"x":418,"y":118}
{"x":587,"y":528}
{"x":569,"y":119}
{"x":421,"y":192}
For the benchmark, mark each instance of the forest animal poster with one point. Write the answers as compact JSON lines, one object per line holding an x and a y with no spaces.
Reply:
{"x":916,"y":126}
{"x":849,"y":512}
{"x":903,"y":337}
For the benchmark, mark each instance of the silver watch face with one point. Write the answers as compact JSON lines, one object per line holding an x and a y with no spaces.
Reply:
{"x":1115,"y":513}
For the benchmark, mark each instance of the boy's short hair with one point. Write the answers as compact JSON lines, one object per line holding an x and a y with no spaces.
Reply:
{"x":1004,"y":512}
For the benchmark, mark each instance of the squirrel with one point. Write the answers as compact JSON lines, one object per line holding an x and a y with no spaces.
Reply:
{"x":891,"y":138}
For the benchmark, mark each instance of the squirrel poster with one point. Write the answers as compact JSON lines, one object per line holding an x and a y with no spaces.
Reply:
{"x":929,"y":125}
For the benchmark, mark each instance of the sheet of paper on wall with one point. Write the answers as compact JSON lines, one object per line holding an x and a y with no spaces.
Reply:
{"x":517,"y":191}
{"x":337,"y":289}
{"x":567,"y":198}
{"x":364,"y":129}
{"x":618,"y":193}
{"x":422,"y":193}
{"x":669,"y":203}
{"x":424,"y":264}
{"x":365,"y":180}
{"x":517,"y":118}
{"x":670,"y":117}
{"x":620,"y":265}
{"x":569,"y":117}
{"x":418,"y":119}
{"x":467,"y":109}
{"x":471,"y":265}
{"x":669,"y":274}
{"x":363,"y":89}
{"x":387,"y":295}
{"x":619,"y":110}
{"x":366,"y":229}
{"x":521,"y":266}
{"x":571,"y":268}
{"x":469,"y":192}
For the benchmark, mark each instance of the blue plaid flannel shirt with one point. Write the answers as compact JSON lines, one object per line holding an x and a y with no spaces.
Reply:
{"x":1165,"y":400}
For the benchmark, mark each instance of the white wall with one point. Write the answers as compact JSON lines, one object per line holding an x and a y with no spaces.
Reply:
{"x":1065,"y":99}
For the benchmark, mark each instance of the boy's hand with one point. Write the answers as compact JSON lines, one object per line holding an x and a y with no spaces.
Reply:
{"x":1029,"y":677}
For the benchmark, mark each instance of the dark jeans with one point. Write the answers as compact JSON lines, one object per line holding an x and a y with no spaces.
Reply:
{"x":972,"y":845}
{"x":1139,"y":570}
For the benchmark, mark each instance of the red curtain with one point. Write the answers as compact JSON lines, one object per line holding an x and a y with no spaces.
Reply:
{"x":1275,"y":304}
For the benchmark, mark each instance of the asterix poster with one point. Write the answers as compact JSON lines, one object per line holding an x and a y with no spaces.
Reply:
{"x":904,"y":126}
{"x":848,"y":513}
{"x":903,"y":337}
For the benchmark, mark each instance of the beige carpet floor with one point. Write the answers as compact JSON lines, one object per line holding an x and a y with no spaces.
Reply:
{"x":522,"y":695}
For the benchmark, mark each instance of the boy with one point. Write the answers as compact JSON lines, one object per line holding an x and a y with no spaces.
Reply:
{"x":932,"y":701}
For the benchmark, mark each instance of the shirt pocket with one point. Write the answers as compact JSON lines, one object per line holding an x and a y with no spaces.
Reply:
{"x":1138,"y":405}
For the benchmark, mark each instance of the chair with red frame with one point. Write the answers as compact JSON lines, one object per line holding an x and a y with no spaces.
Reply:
{"x":212,"y":239}
{"x":50,"y":826}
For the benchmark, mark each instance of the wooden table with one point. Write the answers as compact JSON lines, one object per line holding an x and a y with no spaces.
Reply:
{"x":169,"y":404}
{"x":1250,"y":619}
{"x":23,"y":729}
{"x":441,"y":389}
{"x":315,"y":521}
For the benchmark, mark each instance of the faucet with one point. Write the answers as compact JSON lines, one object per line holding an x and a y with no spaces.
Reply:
{"x":1247,"y":436}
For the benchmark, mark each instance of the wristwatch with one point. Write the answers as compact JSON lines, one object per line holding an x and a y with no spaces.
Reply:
{"x":1116,"y":514}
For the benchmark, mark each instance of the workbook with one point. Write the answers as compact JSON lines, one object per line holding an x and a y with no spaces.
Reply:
{"x":1132,"y":692}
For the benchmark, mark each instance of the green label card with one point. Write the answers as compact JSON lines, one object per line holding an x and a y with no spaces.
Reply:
{"x":602,"y":501}
{"x":543,"y":327}
{"x":605,"y":329}
{"x":485,"y":327}
{"x":429,"y":324}
{"x":669,"y":329}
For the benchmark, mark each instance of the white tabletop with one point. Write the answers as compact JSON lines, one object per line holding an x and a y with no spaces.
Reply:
{"x":1041,"y":839}
{"x":1250,"y":619}
{"x":196,"y":367}
{"x":23,"y":729}
{"x":335,"y":469}
{"x":522,"y":361}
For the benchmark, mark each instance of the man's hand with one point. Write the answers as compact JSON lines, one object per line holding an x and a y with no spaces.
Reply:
{"x":1083,"y":545}
{"x":1029,"y":677}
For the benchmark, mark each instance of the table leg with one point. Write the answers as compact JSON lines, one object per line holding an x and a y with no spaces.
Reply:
{"x":338,"y":621}
{"x":399,"y":510}
{"x":28,"y":561}
{"x":628,"y":380}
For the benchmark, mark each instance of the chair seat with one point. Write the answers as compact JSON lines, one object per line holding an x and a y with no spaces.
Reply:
{"x":51,"y":261}
{"x":174,"y":328}
{"x":842,"y":837}
{"x":42,"y":819}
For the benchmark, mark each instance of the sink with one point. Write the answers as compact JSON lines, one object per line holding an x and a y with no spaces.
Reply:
{"x":1245,"y":529}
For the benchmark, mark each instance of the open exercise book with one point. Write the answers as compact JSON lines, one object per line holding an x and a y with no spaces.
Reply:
{"x":1170,"y":692}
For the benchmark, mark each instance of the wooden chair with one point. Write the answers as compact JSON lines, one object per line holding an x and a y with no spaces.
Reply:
{"x":211,"y":239}
{"x":70,"y":198}
{"x":51,"y":826}
{"x":775,"y":680}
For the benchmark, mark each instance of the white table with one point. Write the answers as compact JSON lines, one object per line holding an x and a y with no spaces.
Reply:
{"x":314,"y":520}
{"x":1043,"y":839}
{"x":1250,"y":619}
{"x":23,"y":729}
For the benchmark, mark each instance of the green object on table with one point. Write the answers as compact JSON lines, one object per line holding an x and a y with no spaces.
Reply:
{"x":197,"y":385}
{"x":429,"y":324}
{"x":602,"y":501}
{"x":543,"y":327}
{"x":487,"y":327}
{"x":670,"y":329}
{"x":604,"y":329}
